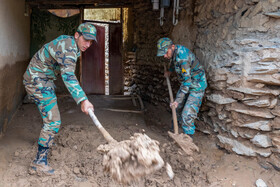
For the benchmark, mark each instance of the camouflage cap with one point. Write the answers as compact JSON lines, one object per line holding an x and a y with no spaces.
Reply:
{"x":88,"y":30}
{"x":163,"y":45}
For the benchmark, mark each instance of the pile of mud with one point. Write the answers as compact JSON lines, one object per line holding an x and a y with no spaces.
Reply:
{"x":77,"y":162}
{"x":129,"y":160}
{"x":75,"y":157}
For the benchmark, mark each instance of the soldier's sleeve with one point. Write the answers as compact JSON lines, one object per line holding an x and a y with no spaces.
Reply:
{"x":67,"y":57}
{"x":186,"y":80}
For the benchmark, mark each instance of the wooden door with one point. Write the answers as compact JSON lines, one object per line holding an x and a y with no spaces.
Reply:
{"x":115,"y":59}
{"x":93,"y":65}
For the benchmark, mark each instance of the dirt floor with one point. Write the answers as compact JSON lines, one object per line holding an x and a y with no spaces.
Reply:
{"x":77,"y":162}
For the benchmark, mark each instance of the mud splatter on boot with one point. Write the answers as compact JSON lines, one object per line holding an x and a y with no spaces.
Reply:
{"x":40,"y":164}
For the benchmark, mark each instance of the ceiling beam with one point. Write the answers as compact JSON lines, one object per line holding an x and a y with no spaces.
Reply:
{"x":69,"y":4}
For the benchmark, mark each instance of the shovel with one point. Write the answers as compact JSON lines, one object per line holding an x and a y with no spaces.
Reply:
{"x":174,"y":116}
{"x":183,"y":140}
{"x":106,"y":135}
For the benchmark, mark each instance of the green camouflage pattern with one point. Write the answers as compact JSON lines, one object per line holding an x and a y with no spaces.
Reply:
{"x":162,"y":46}
{"x":88,"y":30}
{"x":193,"y":84}
{"x":188,"y":109}
{"x":44,"y":96}
{"x":190,"y":73}
{"x":57,"y":56}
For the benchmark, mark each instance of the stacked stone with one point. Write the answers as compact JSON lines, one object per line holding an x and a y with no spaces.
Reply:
{"x":139,"y":78}
{"x":146,"y":73}
{"x":240,"y":47}
{"x":151,"y":88}
{"x":129,"y":62}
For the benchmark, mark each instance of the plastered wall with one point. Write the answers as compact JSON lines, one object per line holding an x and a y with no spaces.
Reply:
{"x":14,"y":57}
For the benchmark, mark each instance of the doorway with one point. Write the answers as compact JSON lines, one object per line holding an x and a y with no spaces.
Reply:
{"x":101,"y":64}
{"x":93,"y":65}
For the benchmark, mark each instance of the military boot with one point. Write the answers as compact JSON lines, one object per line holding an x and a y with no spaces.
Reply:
{"x":40,"y":164}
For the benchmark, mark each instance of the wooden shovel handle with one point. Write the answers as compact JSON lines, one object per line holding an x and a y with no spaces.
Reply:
{"x":174,"y":116}
{"x":106,"y":135}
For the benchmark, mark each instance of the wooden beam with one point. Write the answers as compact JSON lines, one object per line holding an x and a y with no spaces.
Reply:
{"x":77,"y":1}
{"x":68,"y":4}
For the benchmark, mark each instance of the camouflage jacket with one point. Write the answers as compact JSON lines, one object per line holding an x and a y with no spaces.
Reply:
{"x":190,"y":73}
{"x":57,"y":56}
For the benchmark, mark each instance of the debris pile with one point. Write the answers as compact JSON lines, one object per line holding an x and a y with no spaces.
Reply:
{"x":129,"y":160}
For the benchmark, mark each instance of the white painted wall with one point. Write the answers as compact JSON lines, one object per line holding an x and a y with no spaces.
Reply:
{"x":14,"y":57}
{"x":15,"y":32}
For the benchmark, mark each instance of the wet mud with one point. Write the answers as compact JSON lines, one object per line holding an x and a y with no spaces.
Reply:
{"x":78,"y":162}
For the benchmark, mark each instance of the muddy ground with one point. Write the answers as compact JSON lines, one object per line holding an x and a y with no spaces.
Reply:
{"x":77,"y":162}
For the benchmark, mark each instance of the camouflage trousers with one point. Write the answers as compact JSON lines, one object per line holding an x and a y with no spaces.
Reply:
{"x":42,"y":92}
{"x":188,"y":109}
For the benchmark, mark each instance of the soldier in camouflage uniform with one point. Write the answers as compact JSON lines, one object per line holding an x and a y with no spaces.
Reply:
{"x":192,"y":78}
{"x":57,"y":56}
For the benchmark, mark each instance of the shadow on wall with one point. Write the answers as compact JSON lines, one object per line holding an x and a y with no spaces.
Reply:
{"x":11,"y":92}
{"x":45,"y":27}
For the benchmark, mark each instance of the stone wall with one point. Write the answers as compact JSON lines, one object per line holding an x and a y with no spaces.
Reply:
{"x":144,"y":71}
{"x":238,"y":42}
{"x":14,"y":57}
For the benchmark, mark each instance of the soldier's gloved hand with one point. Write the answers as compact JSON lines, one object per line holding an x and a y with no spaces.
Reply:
{"x":86,"y":105}
{"x":174,"y":104}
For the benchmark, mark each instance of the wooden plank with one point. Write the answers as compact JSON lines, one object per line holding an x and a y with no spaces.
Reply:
{"x":71,"y":4}
{"x":75,"y":2}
